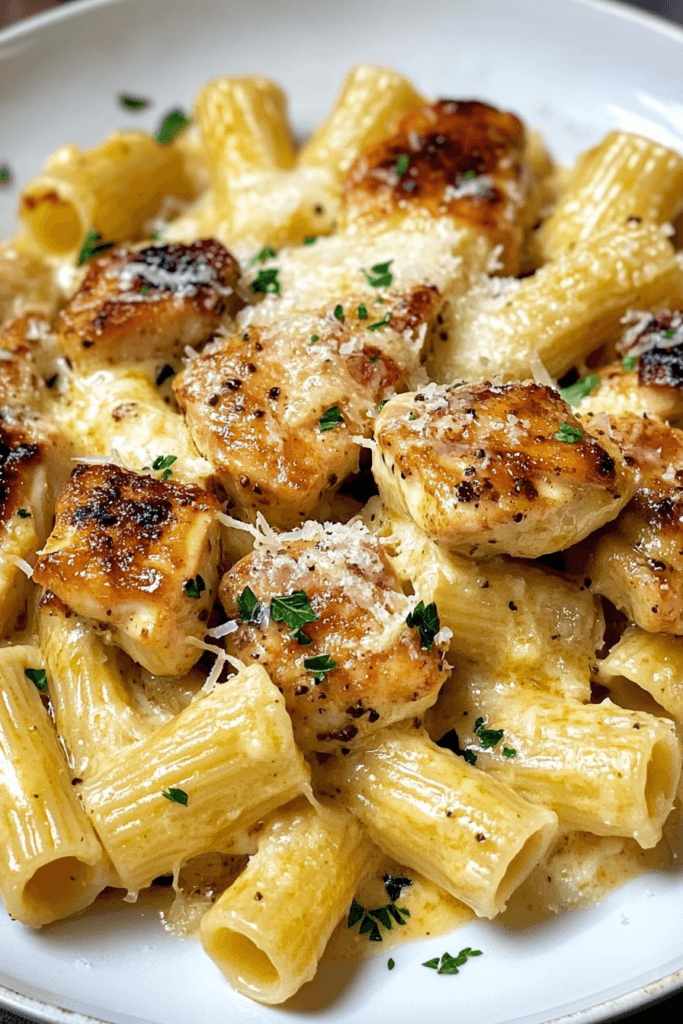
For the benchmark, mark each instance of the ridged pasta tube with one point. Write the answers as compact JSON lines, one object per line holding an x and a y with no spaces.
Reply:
{"x":653,"y":661}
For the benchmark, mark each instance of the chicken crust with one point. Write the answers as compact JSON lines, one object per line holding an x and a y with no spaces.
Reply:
{"x":381,"y":672}
{"x":488,"y":469}
{"x":136,"y":304}
{"x":455,"y":158}
{"x":137,"y":556}
{"x":637,"y":561}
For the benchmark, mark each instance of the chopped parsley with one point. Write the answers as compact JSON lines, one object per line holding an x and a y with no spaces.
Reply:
{"x":372,"y":920}
{"x":426,"y":619}
{"x":175,"y":122}
{"x":248,"y":606}
{"x":91,"y":246}
{"x":266,"y":282}
{"x":195,"y":587}
{"x":447,"y":964}
{"x":339,"y":312}
{"x":390,"y":964}
{"x":509,"y":752}
{"x":5,"y":174}
{"x":331,"y":418}
{"x":163,"y":464}
{"x":380,"y":276}
{"x":362,"y":312}
{"x":176,"y":796}
{"x":629,"y":363}
{"x":23,"y":513}
{"x":320,"y":666}
{"x":164,"y":373}
{"x":402,"y":164}
{"x":373,"y":359}
{"x":310,"y":239}
{"x":266,"y":253}
{"x":295,"y":611}
{"x":487,"y":737}
{"x":380,"y":323}
{"x":469,"y":175}
{"x":157,"y":236}
{"x":395,"y":884}
{"x":568,"y":434}
{"x":38,"y":677}
{"x":669,"y":333}
{"x":144,"y":289}
{"x":314,"y":338}
{"x":580,"y":389}
{"x":133,"y":102}
{"x":450,"y":741}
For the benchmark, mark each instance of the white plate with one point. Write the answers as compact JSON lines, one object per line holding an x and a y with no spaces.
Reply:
{"x":574,"y":69}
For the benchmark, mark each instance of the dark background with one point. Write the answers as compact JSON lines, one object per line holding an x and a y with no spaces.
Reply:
{"x":12,"y":10}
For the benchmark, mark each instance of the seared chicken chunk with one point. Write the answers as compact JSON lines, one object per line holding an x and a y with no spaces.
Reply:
{"x":33,"y":461}
{"x":637,"y":562}
{"x":458,"y":159}
{"x":277,"y":408}
{"x":330,"y":629}
{"x":490,"y":469}
{"x":149,"y":303}
{"x":136,"y":556}
{"x":19,"y":382}
{"x":621,"y":390}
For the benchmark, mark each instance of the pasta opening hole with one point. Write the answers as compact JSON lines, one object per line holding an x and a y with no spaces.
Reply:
{"x":243,"y":959}
{"x":660,"y":784}
{"x":53,"y":221}
{"x":59,"y":884}
{"x":520,"y":865}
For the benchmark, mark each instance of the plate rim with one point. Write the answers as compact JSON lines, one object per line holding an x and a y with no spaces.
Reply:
{"x":602,"y":1012}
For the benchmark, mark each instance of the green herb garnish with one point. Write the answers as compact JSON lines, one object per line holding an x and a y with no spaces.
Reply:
{"x":248,"y":606}
{"x":487,"y":737}
{"x":92,"y":246}
{"x":380,"y":323}
{"x":580,"y":389}
{"x":669,"y":333}
{"x":320,"y":666}
{"x":331,"y":418}
{"x":175,"y":122}
{"x":176,"y":796}
{"x":371,"y":920}
{"x":195,"y":587}
{"x":314,"y":338}
{"x":133,"y":102}
{"x":568,"y":434}
{"x":38,"y":677}
{"x":266,"y":281}
{"x":295,"y":611}
{"x":395,"y":884}
{"x":310,"y":239}
{"x":390,"y":964}
{"x":164,"y":373}
{"x":402,"y":164}
{"x":362,"y":312}
{"x":23,"y":513}
{"x":426,"y":619}
{"x":450,"y":964}
{"x":5,"y":174}
{"x":450,"y":741}
{"x":339,"y":312}
{"x":629,"y":363}
{"x":266,"y":253}
{"x":157,"y":236}
{"x":469,"y":175}
{"x":380,"y":276}
{"x":509,"y":752}
{"x":163,"y":464}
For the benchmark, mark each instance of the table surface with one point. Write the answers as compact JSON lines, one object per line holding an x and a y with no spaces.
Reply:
{"x":13,"y":10}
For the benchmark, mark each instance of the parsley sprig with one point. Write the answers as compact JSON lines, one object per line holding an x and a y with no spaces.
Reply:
{"x":567,"y":433}
{"x":379,"y":276}
{"x":195,"y":586}
{"x":5,"y":174}
{"x":331,"y":418}
{"x":450,"y":741}
{"x":38,"y":677}
{"x":266,"y":282}
{"x":629,"y":363}
{"x":426,"y":619}
{"x":380,"y":323}
{"x":162,"y":464}
{"x":580,"y":389}
{"x":319,"y":666}
{"x":91,"y":246}
{"x":447,"y":964}
{"x":402,"y":162}
{"x":133,"y":102}
{"x":266,"y":253}
{"x":379,"y":917}
{"x":295,"y":611}
{"x":175,"y":122}
{"x":176,"y":796}
{"x":248,"y":606}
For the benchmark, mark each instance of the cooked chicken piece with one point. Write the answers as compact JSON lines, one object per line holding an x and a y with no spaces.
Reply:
{"x":458,"y":159}
{"x":637,"y":562}
{"x":119,"y":414}
{"x":624,"y":391}
{"x":276,"y":409}
{"x":27,"y":281}
{"x":19,"y":382}
{"x":149,"y":303}
{"x":33,"y":461}
{"x":331,"y":629}
{"x":497,"y":469}
{"x":136,"y":556}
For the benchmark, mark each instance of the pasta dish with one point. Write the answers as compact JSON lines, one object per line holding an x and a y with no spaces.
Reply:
{"x":341,"y":567}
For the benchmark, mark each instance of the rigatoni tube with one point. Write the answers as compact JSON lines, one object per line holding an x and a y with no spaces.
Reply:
{"x":268,"y":931}
{"x":51,"y":864}
{"x":224,"y":762}
{"x":433,"y":812}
